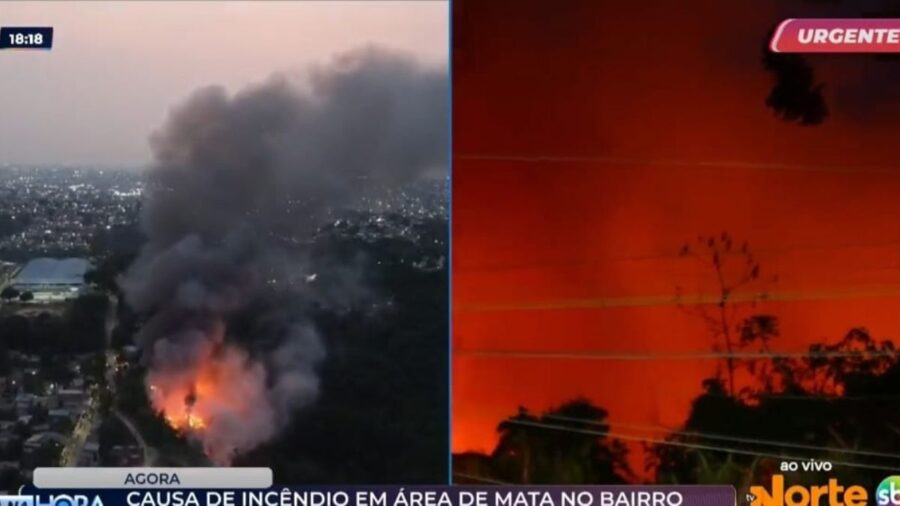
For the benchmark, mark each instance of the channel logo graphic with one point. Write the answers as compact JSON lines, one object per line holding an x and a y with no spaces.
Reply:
{"x":888,"y":492}
{"x":53,"y":500}
{"x":832,"y":493}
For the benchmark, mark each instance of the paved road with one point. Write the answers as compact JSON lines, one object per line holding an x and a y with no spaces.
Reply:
{"x":149,"y":452}
{"x":91,"y":416}
{"x":85,"y":424}
{"x":83,"y":428}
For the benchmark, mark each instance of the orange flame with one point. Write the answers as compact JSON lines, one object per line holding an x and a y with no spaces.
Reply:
{"x":185,"y":402}
{"x":189,"y":422}
{"x":222,"y":385}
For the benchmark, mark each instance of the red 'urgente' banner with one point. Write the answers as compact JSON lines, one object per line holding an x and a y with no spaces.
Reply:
{"x":837,"y":36}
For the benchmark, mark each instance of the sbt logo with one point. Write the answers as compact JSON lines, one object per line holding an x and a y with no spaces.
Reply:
{"x":831,"y":494}
{"x":888,"y":491}
{"x":52,"y":500}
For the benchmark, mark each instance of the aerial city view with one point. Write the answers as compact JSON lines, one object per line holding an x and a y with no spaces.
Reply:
{"x":57,"y":320}
{"x":249,"y":259}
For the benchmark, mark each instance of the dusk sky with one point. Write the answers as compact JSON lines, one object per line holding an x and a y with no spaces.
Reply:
{"x":591,"y":143}
{"x":117,"y":67}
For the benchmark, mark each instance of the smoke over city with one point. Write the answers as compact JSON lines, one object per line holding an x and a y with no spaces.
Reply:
{"x":239,"y":186}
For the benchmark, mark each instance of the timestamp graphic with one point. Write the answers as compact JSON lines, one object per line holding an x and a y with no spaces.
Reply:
{"x":26,"y":37}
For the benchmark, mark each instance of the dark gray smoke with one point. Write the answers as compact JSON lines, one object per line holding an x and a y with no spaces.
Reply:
{"x":239,"y":185}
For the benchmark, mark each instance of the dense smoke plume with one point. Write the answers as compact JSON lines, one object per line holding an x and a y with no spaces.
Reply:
{"x":239,"y":186}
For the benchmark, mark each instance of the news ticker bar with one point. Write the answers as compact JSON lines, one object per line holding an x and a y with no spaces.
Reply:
{"x":80,"y":478}
{"x":397,"y":495}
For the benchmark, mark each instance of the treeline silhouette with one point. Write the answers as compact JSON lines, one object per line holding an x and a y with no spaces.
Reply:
{"x":530,"y":452}
{"x":841,"y":409}
{"x":837,"y":403}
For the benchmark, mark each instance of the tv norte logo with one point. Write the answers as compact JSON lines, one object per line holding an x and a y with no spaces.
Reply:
{"x":888,"y":492}
{"x":832,"y":493}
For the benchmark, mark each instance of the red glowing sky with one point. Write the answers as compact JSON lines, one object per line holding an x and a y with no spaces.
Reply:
{"x":657,"y":82}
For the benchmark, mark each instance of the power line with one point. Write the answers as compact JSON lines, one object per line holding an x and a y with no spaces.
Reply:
{"x":638,"y":356}
{"x":674,"y":255}
{"x":825,"y":398}
{"x":480,"y":479}
{"x":723,"y":437}
{"x":683,"y":300}
{"x":695,"y":446}
{"x":664,"y":162}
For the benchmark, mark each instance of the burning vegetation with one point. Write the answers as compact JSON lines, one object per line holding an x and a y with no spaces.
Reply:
{"x":221,"y":388}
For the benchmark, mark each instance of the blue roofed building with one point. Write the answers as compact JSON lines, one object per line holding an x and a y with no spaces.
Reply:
{"x":50,"y":279}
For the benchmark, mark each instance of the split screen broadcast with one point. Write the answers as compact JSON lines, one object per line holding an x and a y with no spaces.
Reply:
{"x":470,"y":242}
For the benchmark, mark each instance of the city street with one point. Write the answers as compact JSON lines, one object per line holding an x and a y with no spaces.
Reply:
{"x":85,"y":424}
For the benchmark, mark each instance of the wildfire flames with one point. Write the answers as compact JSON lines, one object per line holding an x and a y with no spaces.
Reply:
{"x":185,"y":405}
{"x":187,"y":423}
{"x":205,"y":401}
{"x":182,"y":414}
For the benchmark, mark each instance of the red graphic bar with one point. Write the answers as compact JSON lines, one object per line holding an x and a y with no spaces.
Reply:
{"x":847,"y":35}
